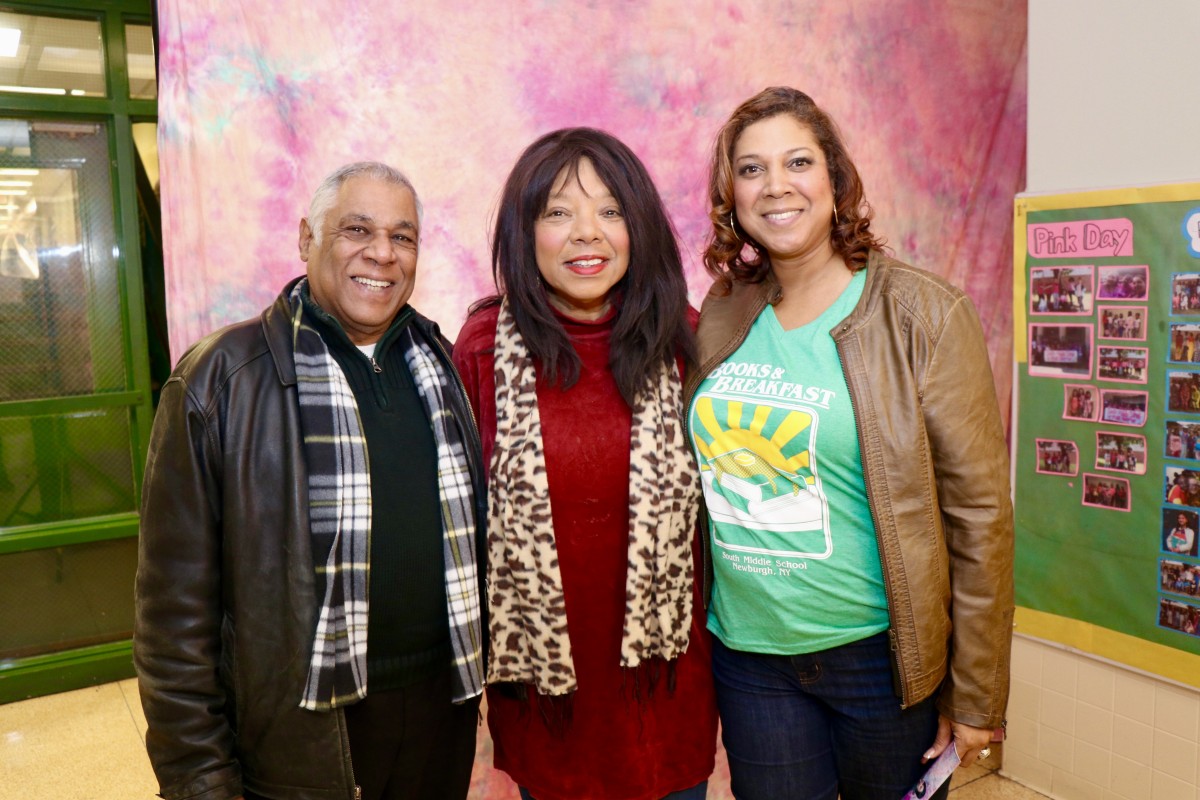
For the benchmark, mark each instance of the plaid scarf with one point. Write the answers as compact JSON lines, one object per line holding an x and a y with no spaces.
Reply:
{"x":528,"y":619}
{"x":339,"y":489}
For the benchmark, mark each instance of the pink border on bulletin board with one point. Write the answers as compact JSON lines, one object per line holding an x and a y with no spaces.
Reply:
{"x":1141,"y":461}
{"x":1044,"y":370}
{"x":1037,"y":459}
{"x":1145,"y":353}
{"x":1145,"y":399}
{"x":1124,"y":310}
{"x":1145,"y":269}
{"x":1089,"y":295}
{"x":1092,"y":390}
{"x":1110,"y":478}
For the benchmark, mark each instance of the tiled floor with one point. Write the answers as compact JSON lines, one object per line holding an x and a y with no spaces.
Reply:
{"x":88,"y":745}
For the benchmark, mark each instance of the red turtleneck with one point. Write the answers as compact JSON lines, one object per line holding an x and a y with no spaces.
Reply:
{"x":615,"y":746}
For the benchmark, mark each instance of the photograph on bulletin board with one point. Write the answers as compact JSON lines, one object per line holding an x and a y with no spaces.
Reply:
{"x":1106,"y":423}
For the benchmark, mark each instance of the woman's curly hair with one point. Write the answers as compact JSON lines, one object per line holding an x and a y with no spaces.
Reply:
{"x":851,"y":236}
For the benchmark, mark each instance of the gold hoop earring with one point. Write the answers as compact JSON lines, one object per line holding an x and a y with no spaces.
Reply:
{"x":835,"y":216}
{"x":733,"y":226}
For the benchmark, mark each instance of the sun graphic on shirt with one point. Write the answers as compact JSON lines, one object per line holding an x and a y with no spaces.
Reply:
{"x":738,"y":445}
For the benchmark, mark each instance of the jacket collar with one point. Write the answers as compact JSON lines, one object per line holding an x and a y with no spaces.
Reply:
{"x":277,"y":329}
{"x":749,"y":299}
{"x":727,"y":316}
{"x":334,"y":334}
{"x":878,"y":270}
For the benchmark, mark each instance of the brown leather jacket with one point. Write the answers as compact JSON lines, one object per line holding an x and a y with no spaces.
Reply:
{"x":935,"y":464}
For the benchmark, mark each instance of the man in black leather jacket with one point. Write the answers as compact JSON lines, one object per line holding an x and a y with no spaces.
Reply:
{"x":314,"y":484}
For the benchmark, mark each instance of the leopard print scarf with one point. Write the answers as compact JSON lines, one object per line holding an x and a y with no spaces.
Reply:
{"x":529,"y":639}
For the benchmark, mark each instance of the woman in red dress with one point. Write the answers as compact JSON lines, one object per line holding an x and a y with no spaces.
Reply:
{"x":598,"y":671}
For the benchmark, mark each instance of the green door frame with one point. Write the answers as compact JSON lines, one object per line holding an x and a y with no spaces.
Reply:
{"x":70,"y":669}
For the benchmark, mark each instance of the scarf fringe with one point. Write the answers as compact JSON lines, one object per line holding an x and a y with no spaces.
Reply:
{"x":557,"y":711}
{"x":648,"y":674}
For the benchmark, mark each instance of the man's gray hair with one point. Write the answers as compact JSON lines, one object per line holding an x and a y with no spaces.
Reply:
{"x":326,"y":194}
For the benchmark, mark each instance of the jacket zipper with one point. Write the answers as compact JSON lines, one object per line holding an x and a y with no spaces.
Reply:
{"x":893,"y":642}
{"x":381,"y":397}
{"x":345,"y":735}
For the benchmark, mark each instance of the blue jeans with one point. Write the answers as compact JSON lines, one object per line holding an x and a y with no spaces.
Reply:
{"x":813,"y":726}
{"x":697,"y":792}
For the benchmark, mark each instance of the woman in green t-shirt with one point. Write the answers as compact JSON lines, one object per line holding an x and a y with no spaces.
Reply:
{"x":855,"y":474}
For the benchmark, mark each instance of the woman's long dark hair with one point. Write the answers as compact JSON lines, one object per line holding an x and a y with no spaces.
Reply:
{"x":651,"y":299}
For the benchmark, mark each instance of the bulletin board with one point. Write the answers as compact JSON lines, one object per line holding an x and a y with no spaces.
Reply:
{"x":1106,"y":424}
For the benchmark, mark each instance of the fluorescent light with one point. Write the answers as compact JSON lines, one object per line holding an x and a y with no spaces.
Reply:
{"x":10,"y":38}
{"x":14,"y":192}
{"x":31,"y":90}
{"x":75,"y":60}
{"x":16,"y":183}
{"x":78,"y":93}
{"x":19,"y":171}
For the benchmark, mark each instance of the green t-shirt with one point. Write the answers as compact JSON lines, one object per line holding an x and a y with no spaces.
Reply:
{"x":795,"y":558}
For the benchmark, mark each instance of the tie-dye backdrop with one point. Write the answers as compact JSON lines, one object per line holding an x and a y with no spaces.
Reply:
{"x":259,"y":100}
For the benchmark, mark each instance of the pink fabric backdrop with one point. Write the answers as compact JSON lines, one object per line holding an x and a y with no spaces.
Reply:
{"x":259,"y":100}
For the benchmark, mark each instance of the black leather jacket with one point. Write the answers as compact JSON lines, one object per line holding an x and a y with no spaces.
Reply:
{"x":226,"y":608}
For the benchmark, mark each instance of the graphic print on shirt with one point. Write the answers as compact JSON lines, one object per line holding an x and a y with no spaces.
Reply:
{"x":759,"y":461}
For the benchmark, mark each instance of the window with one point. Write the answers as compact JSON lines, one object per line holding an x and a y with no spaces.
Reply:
{"x":51,"y":56}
